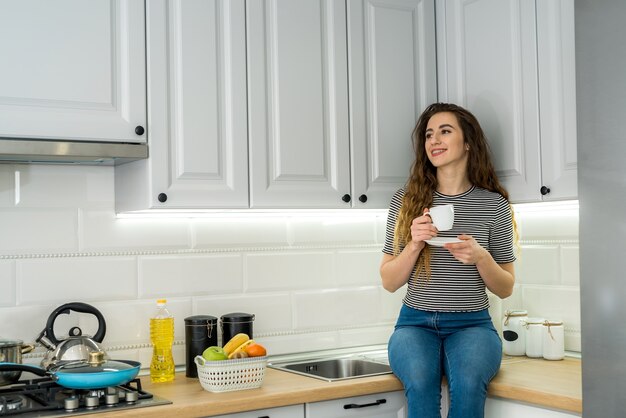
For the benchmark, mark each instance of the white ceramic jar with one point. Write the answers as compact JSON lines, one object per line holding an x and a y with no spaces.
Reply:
{"x":514,"y":332}
{"x":534,"y":337}
{"x":553,"y":340}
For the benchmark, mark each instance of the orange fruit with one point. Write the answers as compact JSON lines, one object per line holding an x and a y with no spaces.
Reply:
{"x":255,"y":350}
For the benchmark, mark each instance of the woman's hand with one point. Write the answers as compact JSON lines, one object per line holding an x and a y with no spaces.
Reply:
{"x":422,"y":229}
{"x":467,"y":252}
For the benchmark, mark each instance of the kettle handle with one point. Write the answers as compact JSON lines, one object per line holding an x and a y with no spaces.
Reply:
{"x":77,"y":307}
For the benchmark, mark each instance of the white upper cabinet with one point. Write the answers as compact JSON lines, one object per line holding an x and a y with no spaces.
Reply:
{"x":197,"y":110}
{"x":298,"y":103}
{"x":511,"y":62}
{"x":557,"y":98}
{"x":281,"y":103}
{"x":73,"y":70}
{"x":332,"y":107}
{"x":392,"y":78}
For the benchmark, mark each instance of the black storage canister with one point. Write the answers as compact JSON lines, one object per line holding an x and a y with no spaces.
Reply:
{"x":234,"y":323}
{"x":200,"y":333}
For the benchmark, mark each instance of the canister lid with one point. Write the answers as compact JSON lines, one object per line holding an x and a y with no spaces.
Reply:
{"x":237,"y":317}
{"x":9,"y":343}
{"x":552,"y":322}
{"x":516,"y":312}
{"x":200,"y":320}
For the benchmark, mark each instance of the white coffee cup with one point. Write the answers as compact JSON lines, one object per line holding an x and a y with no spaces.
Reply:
{"x":442,"y":216}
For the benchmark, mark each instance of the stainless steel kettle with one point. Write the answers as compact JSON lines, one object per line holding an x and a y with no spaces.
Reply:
{"x":76,"y":346}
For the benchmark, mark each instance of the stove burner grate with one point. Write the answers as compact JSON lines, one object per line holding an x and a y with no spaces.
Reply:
{"x":10,"y":403}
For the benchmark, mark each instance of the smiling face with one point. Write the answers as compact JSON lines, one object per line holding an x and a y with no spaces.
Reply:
{"x":444,"y":142}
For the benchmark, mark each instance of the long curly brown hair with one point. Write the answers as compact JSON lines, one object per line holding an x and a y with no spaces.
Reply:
{"x":422,"y":182}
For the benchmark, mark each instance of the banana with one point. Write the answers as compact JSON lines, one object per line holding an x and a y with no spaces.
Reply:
{"x":235,"y":342}
{"x":241,"y":350}
{"x":237,"y":354}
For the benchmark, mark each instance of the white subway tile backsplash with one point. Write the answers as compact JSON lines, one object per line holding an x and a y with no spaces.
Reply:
{"x":336,"y":308}
{"x":365,"y":336}
{"x":46,"y":186}
{"x":340,"y":228}
{"x":7,"y":282}
{"x":550,"y":225}
{"x":570,"y":273}
{"x":289,"y":270}
{"x":381,"y":229}
{"x":7,"y":186}
{"x":128,"y":321}
{"x":554,"y":302}
{"x":234,"y":232}
{"x":391,"y":303}
{"x":298,"y":343}
{"x":538,"y":264}
{"x":273,"y":311}
{"x":102,"y":231}
{"x":29,"y":230}
{"x":181,"y":275}
{"x":358,"y":267}
{"x":83,"y":279}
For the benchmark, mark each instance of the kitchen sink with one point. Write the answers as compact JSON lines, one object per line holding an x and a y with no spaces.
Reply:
{"x":335,"y":368}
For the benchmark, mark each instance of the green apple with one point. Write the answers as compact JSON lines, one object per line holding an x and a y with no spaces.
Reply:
{"x":214,"y":353}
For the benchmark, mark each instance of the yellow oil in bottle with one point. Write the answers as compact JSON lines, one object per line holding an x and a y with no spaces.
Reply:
{"x":162,"y":337}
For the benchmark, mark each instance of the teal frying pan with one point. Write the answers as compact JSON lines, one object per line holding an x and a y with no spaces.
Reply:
{"x":82,"y":375}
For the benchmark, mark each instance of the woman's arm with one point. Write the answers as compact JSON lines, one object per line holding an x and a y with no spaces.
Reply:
{"x":395,"y":271}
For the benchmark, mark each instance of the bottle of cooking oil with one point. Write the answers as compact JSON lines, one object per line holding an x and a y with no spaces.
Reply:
{"x":162,"y":337}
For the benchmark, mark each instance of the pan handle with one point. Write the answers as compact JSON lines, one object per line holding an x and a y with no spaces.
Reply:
{"x":77,"y":307}
{"x":14,"y":367}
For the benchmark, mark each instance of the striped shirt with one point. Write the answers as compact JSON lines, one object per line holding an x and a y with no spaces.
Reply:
{"x":454,"y":286}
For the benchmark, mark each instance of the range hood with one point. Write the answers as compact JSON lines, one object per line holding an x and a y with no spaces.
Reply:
{"x":69,"y":152}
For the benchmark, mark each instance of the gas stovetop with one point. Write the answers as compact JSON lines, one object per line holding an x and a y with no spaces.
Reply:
{"x":44,"y":398}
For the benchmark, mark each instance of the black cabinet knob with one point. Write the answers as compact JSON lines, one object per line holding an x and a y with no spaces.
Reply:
{"x":544,"y":190}
{"x":139,"y":130}
{"x":346,"y":198}
{"x":162,"y":197}
{"x":363,"y":198}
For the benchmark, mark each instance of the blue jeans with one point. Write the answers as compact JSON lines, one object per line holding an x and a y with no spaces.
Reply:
{"x":462,"y":345}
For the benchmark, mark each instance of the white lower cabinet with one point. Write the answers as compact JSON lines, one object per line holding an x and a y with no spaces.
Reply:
{"x":498,"y":408}
{"x":380,"y":405}
{"x":292,"y":411}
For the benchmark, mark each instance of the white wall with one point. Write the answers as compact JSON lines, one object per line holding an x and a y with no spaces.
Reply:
{"x":312,"y":282}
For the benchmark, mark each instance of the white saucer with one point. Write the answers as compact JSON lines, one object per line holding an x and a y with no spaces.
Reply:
{"x":439,"y":241}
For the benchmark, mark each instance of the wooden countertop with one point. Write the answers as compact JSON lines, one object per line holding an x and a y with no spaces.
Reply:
{"x":554,"y":384}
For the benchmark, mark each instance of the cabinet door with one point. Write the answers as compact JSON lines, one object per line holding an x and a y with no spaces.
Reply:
{"x":392,"y":64}
{"x":298,"y":103}
{"x":487,"y":53}
{"x":73,"y":70}
{"x":292,"y":411}
{"x":197,"y":112}
{"x":557,"y":98}
{"x":380,"y":405}
{"x":498,"y":408}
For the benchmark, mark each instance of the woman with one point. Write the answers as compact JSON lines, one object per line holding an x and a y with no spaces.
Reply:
{"x":444,"y":327}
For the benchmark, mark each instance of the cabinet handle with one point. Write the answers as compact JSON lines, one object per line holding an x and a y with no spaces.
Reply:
{"x":139,"y":130}
{"x":544,"y":190}
{"x":346,"y":198}
{"x":162,"y":197}
{"x":364,"y":405}
{"x":363,"y":198}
